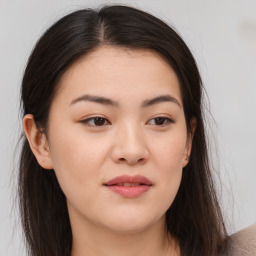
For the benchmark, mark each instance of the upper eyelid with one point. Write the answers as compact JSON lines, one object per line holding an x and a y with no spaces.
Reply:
{"x":159,"y":115}
{"x":170,"y":119}
{"x":152,"y":117}
{"x":86,"y":120}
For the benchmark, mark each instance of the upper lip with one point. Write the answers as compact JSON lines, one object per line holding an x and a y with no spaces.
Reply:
{"x":129,"y":179}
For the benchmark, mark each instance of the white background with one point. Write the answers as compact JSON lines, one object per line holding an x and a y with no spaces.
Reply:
{"x":222,"y":37}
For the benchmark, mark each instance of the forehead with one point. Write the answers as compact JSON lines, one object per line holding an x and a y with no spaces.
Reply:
{"x":119,"y":72}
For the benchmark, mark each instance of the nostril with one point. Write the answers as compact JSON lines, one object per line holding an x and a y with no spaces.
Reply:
{"x":133,"y":162}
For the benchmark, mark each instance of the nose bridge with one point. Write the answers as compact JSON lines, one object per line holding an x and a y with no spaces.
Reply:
{"x":131,"y":135}
{"x":130,"y":144}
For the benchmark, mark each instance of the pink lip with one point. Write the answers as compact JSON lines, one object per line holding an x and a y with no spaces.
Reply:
{"x":129,"y":191}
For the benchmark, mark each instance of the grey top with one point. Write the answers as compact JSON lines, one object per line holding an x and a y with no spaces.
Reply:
{"x":243,"y":243}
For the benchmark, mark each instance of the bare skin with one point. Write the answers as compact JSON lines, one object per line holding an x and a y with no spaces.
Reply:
{"x":132,"y":137}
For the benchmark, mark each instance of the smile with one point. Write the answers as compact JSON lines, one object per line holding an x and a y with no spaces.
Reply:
{"x":129,"y":186}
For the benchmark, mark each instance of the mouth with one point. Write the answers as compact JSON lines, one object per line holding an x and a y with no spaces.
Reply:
{"x":129,"y":186}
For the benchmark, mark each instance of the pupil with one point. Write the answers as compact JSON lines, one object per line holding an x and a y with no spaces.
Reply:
{"x":99,"y":121}
{"x":160,"y":120}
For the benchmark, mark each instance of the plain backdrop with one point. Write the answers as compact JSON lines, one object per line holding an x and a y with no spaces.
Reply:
{"x":222,"y":37}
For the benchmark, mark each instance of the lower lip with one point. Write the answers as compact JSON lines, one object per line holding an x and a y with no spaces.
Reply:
{"x":132,"y":191}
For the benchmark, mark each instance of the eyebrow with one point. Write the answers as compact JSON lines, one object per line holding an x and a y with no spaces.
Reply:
{"x":109,"y":102}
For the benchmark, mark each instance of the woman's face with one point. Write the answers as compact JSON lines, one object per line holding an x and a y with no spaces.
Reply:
{"x":118,"y":112}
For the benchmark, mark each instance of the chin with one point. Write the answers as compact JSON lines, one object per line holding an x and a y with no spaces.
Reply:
{"x":127,"y":224}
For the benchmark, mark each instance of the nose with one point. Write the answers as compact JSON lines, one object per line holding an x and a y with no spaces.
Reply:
{"x":129,"y":146}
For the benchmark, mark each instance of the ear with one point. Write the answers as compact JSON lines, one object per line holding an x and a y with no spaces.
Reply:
{"x":190,"y":137}
{"x":38,"y":142}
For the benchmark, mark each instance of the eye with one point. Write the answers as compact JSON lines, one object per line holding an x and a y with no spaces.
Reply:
{"x":95,"y":121}
{"x":161,"y":121}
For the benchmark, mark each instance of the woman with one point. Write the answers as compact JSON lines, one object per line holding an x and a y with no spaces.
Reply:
{"x":114,"y":158}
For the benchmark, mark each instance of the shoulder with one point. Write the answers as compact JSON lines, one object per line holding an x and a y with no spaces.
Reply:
{"x":243,"y":242}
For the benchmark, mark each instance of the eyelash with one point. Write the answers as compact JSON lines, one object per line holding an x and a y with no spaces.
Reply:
{"x":86,"y":121}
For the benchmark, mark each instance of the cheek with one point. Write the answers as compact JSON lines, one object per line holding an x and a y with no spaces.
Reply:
{"x":76,"y":161}
{"x":169,"y":157}
{"x":169,"y":151}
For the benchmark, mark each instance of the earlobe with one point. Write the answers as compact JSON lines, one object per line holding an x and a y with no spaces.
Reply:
{"x":185,"y":161}
{"x":189,"y":141}
{"x":38,"y":142}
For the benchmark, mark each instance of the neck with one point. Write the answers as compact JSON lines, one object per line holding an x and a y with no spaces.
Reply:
{"x":94,"y":241}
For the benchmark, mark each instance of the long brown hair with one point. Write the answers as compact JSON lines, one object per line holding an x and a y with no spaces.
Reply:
{"x":195,"y":217}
